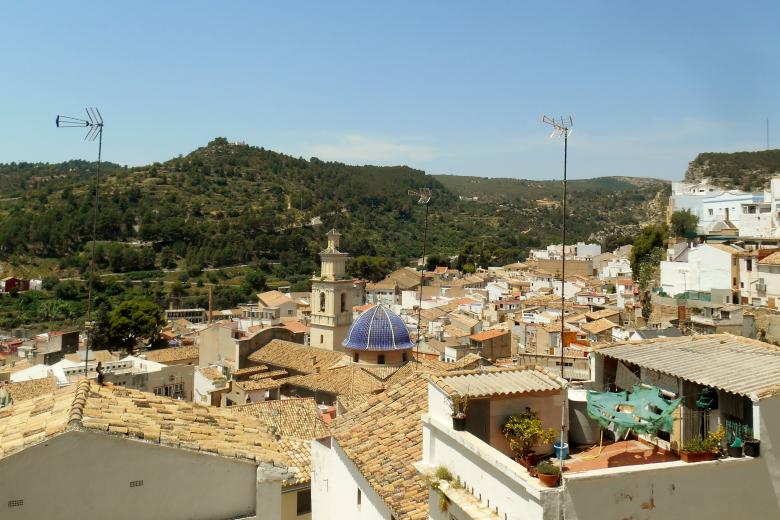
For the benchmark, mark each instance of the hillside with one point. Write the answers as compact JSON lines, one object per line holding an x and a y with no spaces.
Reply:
{"x":599,"y":208}
{"x":228,"y":204}
{"x":240,"y":219}
{"x":749,"y":171}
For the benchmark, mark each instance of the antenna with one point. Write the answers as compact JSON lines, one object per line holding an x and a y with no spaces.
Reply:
{"x":94,"y":123}
{"x":767,"y":133}
{"x":424,"y":198}
{"x":562,"y":128}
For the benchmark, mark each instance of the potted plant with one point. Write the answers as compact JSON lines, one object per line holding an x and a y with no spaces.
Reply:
{"x":752,"y":445}
{"x":700,"y":450}
{"x":524,"y":431}
{"x":549,"y":474}
{"x":459,"y":405}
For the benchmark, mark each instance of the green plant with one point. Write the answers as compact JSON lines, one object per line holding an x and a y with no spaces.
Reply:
{"x":547,"y":468}
{"x":444,"y":502}
{"x":459,"y":405}
{"x":443,"y":473}
{"x":524,"y":431}
{"x":710,"y":444}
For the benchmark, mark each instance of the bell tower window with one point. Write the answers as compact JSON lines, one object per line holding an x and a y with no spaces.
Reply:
{"x":322,"y":302}
{"x":343,"y":302}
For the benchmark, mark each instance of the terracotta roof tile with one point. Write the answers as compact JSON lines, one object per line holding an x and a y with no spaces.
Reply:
{"x":23,"y":390}
{"x":386,"y":460}
{"x":168,"y":355}
{"x":141,"y":416}
{"x":294,"y":356}
{"x":295,"y":418}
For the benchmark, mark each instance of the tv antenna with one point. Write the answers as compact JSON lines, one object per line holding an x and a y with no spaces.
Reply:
{"x":94,"y":124}
{"x":562,"y":128}
{"x":423,"y":198}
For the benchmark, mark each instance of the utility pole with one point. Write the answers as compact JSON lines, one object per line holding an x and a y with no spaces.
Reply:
{"x":95,"y":125}
{"x":562,"y":128}
{"x":424,"y":195}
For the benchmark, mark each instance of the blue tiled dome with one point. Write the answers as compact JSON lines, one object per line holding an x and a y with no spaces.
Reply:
{"x":378,"y":328}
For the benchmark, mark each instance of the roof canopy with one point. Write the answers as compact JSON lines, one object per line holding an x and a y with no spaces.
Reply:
{"x":731,"y":363}
{"x":378,"y":329}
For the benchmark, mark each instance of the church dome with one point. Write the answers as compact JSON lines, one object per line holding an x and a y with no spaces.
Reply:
{"x":380,"y":329}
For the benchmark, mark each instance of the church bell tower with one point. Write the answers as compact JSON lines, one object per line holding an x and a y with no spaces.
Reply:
{"x":332,"y":297}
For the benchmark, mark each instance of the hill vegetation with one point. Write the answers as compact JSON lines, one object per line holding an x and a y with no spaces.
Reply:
{"x":749,"y":171}
{"x":241,"y":218}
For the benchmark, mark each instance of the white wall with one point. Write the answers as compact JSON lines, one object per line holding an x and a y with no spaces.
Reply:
{"x":88,"y":475}
{"x":707,"y":268}
{"x":487,"y":473}
{"x":334,"y":484}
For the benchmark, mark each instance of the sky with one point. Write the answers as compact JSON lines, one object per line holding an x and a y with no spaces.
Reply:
{"x":447,"y":87}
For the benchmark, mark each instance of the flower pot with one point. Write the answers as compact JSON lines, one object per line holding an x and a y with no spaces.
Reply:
{"x":697,"y":456}
{"x":752,"y":448}
{"x":735,"y":452}
{"x":458,"y":423}
{"x":549,"y":480}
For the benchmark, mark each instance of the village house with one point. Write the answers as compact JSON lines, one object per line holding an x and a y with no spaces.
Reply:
{"x":113,"y":441}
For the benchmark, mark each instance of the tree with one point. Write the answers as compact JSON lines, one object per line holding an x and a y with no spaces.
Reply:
{"x":651,"y":237}
{"x":132,"y":321}
{"x":684,"y":224}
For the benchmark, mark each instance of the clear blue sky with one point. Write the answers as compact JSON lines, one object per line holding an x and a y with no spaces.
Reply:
{"x":448,"y":87}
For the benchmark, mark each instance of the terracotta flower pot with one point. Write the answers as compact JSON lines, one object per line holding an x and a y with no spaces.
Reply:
{"x":697,"y":456}
{"x":549,"y":480}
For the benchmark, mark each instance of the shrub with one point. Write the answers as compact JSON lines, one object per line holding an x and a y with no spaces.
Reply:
{"x":443,"y":473}
{"x":547,"y":468}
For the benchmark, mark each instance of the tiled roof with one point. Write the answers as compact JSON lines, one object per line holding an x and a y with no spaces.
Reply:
{"x":603,"y":313}
{"x":465,"y":320}
{"x":296,"y":418}
{"x":295,"y":326}
{"x":139,"y":416}
{"x":598,"y":326}
{"x":773,"y":259}
{"x":269,"y":374}
{"x":455,"y":332}
{"x":248,"y":371}
{"x":383,"y":438}
{"x":23,"y":390}
{"x":488,"y":334}
{"x":294,"y":356}
{"x":273,"y":298}
{"x":731,"y":363}
{"x":346,"y":380}
{"x":22,"y":364}
{"x":168,"y":355}
{"x":94,"y":355}
{"x":378,"y":329}
{"x":258,"y":384}
{"x":211,"y":373}
{"x":498,"y":381}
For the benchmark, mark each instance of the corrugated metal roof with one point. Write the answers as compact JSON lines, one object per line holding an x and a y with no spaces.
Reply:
{"x":730,"y":363}
{"x":490,"y":382}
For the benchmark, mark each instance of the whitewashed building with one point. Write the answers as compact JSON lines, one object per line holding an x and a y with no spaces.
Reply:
{"x":701,"y":268}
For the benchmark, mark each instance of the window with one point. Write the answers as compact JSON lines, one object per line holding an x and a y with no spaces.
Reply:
{"x":356,"y":357}
{"x":380,"y":359}
{"x":403,"y":357}
{"x":322,"y":338}
{"x":359,"y":498}
{"x":322,"y":302}
{"x":303,"y":502}
{"x":709,"y":212}
{"x":749,"y":263}
{"x":343,"y":302}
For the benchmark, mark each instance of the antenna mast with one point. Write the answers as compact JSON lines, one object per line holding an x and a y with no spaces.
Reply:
{"x":424,"y":195}
{"x":562,"y":128}
{"x":94,"y":123}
